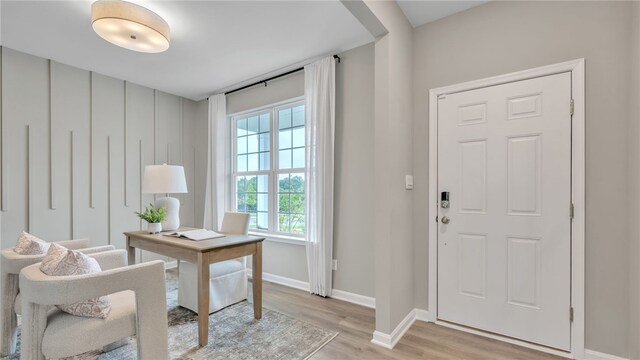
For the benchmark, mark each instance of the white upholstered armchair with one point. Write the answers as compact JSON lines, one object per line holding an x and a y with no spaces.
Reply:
{"x":138,"y":307}
{"x":228,"y":279}
{"x":12,"y":263}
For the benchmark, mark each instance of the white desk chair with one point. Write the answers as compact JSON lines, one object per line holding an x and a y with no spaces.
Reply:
{"x":12,"y":263}
{"x":228,"y":279}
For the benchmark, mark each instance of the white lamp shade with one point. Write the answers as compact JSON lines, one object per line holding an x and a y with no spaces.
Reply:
{"x":164,"y":179}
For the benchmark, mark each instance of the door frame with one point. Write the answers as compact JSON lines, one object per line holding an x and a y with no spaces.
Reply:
{"x":577,"y":69}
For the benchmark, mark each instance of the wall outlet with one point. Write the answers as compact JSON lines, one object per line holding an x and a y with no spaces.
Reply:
{"x":335,"y":264}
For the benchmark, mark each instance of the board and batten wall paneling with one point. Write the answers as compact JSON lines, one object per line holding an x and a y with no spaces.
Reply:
{"x":74,"y":146}
{"x":69,"y":114}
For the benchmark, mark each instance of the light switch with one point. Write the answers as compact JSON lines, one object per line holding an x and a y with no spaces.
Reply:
{"x":408,"y":182}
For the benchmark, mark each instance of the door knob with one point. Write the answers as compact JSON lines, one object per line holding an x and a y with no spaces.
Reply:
{"x":445,"y":220}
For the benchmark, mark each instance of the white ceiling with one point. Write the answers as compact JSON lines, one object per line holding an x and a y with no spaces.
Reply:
{"x":420,"y":12}
{"x":214,"y":44}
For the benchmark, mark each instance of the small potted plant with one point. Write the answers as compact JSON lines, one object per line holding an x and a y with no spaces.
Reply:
{"x":153,"y":217}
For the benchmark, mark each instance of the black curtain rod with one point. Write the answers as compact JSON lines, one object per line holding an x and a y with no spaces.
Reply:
{"x":272,"y":78}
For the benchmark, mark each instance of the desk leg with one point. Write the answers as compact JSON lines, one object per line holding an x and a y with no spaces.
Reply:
{"x":131,"y":252}
{"x":203,"y":300}
{"x":257,"y":282}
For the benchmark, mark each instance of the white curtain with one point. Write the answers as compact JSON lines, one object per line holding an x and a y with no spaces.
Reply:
{"x":217,"y":163}
{"x":319,"y":92}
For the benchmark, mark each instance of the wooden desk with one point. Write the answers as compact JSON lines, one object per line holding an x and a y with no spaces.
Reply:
{"x":203,"y":253}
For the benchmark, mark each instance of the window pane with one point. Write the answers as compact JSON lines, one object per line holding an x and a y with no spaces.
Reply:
{"x":297,"y":224}
{"x":284,"y":159}
{"x":242,"y":163}
{"x":264,"y":123}
{"x":283,"y":203}
{"x":241,"y":185}
{"x":298,"y":158}
{"x":291,"y":203}
{"x":253,"y":221}
{"x":298,"y":115}
{"x":252,"y":143}
{"x":252,"y":125}
{"x":242,"y":145}
{"x":263,"y":202}
{"x":284,"y":119}
{"x":264,"y":161}
{"x":251,"y":200}
{"x":283,"y":182}
{"x":297,"y":204}
{"x":241,"y":205}
{"x":264,"y":142}
{"x":298,"y":137}
{"x":241,"y":126}
{"x":284,"y":141}
{"x":297,"y":183}
{"x":252,"y":162}
{"x":263,"y":221}
{"x":283,"y":223}
{"x":263,"y":183}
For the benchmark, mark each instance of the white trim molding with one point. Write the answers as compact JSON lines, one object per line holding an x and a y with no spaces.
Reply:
{"x":361,"y":300}
{"x":357,"y":299}
{"x":595,"y":355}
{"x":281,"y":280}
{"x":390,"y":340}
{"x":577,"y":70}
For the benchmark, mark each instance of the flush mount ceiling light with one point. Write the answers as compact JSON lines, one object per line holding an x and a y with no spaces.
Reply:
{"x":130,"y":26}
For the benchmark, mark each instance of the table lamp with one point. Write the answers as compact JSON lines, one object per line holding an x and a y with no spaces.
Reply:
{"x":166,"y":179}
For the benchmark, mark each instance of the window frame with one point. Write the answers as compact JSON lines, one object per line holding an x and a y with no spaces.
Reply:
{"x":273,"y":172}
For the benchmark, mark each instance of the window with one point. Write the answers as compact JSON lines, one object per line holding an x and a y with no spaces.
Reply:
{"x":269,"y":168}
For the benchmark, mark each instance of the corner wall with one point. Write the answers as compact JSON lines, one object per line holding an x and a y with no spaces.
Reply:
{"x":502,"y":37}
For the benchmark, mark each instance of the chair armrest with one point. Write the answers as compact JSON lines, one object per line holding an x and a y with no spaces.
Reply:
{"x":39,"y":288}
{"x":97,"y":249}
{"x":111,"y":259}
{"x":74,"y":244}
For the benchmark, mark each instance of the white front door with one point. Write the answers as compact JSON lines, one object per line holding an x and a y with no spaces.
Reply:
{"x":504,"y":258}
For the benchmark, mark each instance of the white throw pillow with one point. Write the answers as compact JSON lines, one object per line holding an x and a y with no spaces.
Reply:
{"x":61,"y":261}
{"x":30,"y":245}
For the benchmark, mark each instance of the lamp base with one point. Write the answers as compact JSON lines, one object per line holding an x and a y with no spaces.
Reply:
{"x":172,"y":221}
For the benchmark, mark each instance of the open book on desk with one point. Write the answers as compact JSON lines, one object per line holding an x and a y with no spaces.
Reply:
{"x":198,"y":234}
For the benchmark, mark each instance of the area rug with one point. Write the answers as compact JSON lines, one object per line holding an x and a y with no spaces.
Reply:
{"x":233,"y":334}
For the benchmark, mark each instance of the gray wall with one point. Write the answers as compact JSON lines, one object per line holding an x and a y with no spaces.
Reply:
{"x":74,"y":146}
{"x":393,"y":159}
{"x":353,"y":204}
{"x":502,"y":37}
{"x":633,"y":133}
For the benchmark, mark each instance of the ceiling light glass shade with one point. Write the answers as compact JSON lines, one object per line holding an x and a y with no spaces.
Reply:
{"x":130,"y":26}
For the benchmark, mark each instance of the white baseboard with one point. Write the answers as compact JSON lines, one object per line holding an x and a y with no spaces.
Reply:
{"x":390,"y":340}
{"x":361,"y":300}
{"x":277,"y":279}
{"x":595,"y":355}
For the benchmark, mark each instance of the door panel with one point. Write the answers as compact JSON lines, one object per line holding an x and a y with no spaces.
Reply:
{"x":504,"y":155}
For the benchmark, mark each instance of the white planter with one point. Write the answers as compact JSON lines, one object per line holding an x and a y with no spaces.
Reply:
{"x":154,"y":228}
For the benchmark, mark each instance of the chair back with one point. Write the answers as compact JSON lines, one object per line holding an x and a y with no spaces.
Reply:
{"x":235,"y":223}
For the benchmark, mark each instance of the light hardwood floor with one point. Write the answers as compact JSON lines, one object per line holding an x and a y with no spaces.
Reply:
{"x":356,"y":324}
